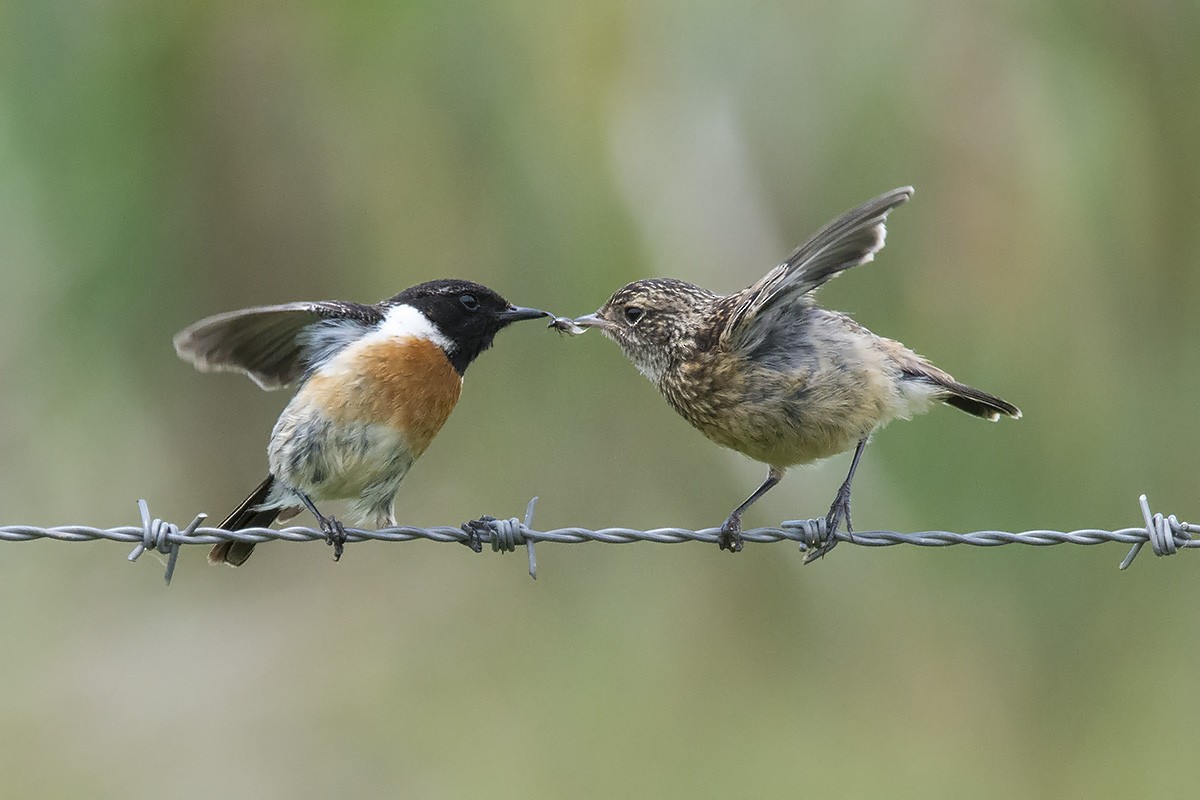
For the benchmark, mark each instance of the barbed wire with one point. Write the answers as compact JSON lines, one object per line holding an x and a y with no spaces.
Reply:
{"x":1166,"y":535}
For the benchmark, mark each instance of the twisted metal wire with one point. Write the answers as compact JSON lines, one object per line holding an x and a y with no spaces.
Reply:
{"x":1166,"y":535}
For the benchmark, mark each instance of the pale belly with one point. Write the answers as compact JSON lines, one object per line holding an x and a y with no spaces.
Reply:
{"x":335,"y":459}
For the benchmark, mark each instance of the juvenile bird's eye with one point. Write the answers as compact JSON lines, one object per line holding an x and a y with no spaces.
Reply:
{"x":633,"y":314}
{"x":469,"y":302}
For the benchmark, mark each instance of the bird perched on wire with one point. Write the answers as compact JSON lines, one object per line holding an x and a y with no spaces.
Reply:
{"x":769,"y":373}
{"x":376,"y":384}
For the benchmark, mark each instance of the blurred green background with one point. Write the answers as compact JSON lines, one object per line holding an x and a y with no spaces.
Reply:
{"x":163,"y":162}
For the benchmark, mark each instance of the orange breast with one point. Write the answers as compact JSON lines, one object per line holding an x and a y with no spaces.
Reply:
{"x":405,"y":383}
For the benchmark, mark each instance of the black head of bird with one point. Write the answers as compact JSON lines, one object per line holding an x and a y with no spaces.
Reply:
{"x":468,"y":314}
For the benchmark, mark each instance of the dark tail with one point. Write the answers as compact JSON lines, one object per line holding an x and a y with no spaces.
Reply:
{"x":959,"y":395}
{"x":244,"y":516}
{"x":981,"y":404}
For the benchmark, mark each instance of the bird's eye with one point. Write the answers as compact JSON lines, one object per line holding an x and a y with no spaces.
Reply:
{"x":633,"y":314}
{"x":469,"y":302}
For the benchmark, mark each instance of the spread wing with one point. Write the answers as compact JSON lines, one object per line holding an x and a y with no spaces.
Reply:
{"x":852,"y":239}
{"x":266,"y":342}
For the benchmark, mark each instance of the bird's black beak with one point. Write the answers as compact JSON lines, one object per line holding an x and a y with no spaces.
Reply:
{"x":517,"y":313}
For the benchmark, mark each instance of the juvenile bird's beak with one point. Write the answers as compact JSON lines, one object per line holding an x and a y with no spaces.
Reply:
{"x":517,"y":313}
{"x":592,"y":321}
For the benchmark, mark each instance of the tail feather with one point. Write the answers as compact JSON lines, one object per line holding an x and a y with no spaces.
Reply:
{"x":949,"y":391}
{"x":246,"y":515}
{"x":981,"y":404}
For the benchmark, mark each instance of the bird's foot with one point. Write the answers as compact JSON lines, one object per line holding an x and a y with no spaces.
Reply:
{"x":335,"y":535}
{"x":474,"y":531}
{"x":838,"y":512}
{"x":730,"y":537}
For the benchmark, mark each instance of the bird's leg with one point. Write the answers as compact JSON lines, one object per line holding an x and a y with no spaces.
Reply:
{"x":335,"y":533}
{"x":840,"y":510}
{"x":730,"y":537}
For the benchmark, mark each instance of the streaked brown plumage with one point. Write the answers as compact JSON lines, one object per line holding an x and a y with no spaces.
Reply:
{"x":767,"y":372}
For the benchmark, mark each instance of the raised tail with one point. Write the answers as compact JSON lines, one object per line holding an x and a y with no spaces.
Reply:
{"x":245,"y":515}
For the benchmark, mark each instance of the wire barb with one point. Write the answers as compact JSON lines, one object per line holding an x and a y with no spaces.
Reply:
{"x":1166,"y":535}
{"x":504,"y":534}
{"x":163,"y":537}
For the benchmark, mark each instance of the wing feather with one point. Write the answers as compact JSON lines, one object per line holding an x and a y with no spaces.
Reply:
{"x":852,"y":239}
{"x":264,"y":342}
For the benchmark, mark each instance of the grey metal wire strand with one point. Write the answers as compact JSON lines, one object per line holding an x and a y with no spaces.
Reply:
{"x":1166,"y":535}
